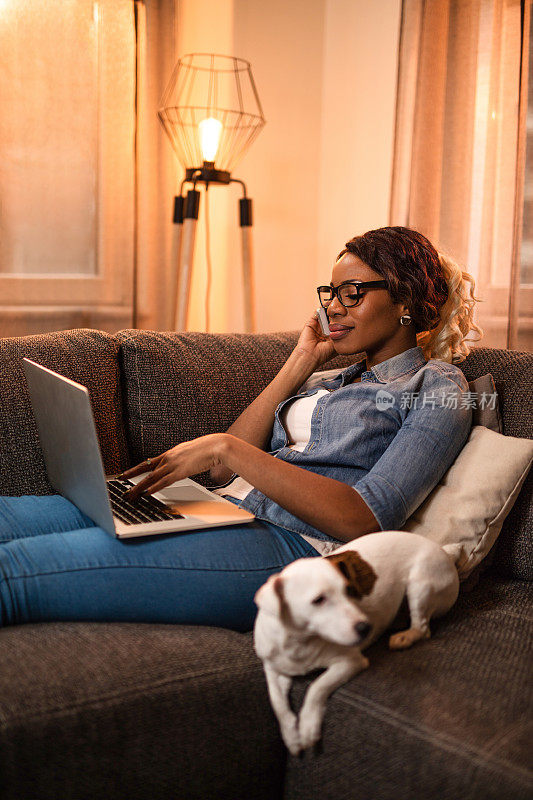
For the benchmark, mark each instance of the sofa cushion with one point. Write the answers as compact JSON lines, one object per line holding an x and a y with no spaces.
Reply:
{"x":449,"y":718}
{"x":144,"y":712}
{"x":87,"y":356}
{"x":469,"y":504}
{"x":183,"y":385}
{"x":512,"y":371}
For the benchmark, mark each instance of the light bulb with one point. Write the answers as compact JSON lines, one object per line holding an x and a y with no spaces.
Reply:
{"x":210,"y":130}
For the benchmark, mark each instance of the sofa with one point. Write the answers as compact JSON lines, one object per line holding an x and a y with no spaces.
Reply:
{"x":123,"y":710}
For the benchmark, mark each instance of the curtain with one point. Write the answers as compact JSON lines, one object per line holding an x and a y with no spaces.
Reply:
{"x":459,"y":158}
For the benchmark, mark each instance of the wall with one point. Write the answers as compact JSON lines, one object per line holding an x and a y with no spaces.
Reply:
{"x":284,"y":42}
{"x":320,"y":171}
{"x":358,"y":110}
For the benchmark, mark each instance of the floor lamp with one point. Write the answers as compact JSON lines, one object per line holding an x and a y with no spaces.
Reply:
{"x":211,"y":113}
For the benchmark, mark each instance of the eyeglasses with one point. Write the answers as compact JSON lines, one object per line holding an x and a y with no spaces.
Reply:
{"x":348,"y":293}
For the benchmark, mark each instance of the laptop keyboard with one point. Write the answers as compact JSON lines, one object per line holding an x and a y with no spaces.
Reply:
{"x":144,"y":509}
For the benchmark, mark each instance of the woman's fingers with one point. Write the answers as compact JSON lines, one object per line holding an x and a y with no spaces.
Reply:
{"x":161,"y":484}
{"x":132,"y":471}
{"x":138,"y":469}
{"x":187,"y":458}
{"x":147,"y":484}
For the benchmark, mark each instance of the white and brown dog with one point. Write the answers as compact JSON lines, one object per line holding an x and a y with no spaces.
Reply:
{"x":321,"y":612}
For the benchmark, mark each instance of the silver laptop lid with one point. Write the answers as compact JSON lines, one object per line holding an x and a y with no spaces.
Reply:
{"x":62,"y":410}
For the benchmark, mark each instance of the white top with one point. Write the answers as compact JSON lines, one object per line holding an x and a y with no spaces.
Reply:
{"x":296,"y":419}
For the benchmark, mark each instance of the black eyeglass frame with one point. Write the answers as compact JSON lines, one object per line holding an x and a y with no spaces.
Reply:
{"x":358,"y":284}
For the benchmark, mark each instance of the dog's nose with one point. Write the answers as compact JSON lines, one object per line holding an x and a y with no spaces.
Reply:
{"x":363,"y":629}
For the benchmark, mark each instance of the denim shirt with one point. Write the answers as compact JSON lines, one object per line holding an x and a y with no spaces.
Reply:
{"x":391,"y":437}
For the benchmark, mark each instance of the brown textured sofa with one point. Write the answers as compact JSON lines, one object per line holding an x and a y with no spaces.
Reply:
{"x":91,"y":710}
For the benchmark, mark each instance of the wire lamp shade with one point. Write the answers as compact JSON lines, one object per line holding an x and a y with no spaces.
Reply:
{"x":211,"y":110}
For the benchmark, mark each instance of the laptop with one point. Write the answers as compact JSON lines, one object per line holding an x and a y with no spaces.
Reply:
{"x":65,"y":422}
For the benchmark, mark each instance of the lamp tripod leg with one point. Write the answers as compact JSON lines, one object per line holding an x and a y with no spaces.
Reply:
{"x":173,"y":277}
{"x":190,"y":222}
{"x":247,"y":264}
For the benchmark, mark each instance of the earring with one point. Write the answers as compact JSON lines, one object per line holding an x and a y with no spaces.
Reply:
{"x":405,"y":319}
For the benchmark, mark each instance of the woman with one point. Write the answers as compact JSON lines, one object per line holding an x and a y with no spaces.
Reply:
{"x":350,"y":453}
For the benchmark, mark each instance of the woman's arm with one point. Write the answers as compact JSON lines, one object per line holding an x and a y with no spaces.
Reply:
{"x":327,"y":504}
{"x":324,"y":503}
{"x":255,"y":423}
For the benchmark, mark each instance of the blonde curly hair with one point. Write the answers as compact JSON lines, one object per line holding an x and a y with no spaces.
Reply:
{"x":447,"y":342}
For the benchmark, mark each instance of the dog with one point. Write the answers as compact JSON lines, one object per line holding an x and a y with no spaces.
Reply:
{"x":322,"y":612}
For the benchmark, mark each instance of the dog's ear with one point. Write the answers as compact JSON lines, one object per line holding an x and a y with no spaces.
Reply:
{"x":358,"y":572}
{"x":269,"y":596}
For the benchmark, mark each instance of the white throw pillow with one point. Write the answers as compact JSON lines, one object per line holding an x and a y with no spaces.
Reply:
{"x":475,"y":495}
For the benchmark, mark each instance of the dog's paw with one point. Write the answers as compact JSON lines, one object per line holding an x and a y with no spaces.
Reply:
{"x":291,"y":735}
{"x":310,"y":726}
{"x":399,"y":641}
{"x":404,"y":639}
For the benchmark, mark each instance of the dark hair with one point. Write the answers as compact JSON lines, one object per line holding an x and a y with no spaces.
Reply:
{"x":410,"y":265}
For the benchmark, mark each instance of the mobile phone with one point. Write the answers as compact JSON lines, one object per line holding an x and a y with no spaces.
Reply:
{"x":323,"y":319}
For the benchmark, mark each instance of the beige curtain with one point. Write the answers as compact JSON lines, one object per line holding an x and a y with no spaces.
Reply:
{"x":458,"y":160}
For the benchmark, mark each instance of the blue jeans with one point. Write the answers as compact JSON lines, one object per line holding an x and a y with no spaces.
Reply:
{"x":55,"y":564}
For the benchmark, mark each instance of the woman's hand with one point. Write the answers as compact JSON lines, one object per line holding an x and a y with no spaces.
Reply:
{"x":313,"y":344}
{"x":187,"y":458}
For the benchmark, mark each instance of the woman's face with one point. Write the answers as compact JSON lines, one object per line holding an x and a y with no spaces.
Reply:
{"x":373,"y":326}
